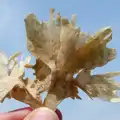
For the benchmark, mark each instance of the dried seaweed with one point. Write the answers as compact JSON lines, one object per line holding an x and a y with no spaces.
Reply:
{"x":61,"y":50}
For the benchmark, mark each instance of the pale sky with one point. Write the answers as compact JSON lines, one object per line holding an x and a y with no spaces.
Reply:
{"x":91,"y":16}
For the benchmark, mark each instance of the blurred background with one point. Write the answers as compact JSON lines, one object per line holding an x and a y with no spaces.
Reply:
{"x":92,"y":15}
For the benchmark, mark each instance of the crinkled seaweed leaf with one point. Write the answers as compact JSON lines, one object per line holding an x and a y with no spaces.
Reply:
{"x":61,"y":50}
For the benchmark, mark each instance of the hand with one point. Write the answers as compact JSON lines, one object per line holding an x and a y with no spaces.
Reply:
{"x":28,"y":114}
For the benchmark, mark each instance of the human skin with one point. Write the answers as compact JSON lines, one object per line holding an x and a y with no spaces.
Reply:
{"x":29,"y":114}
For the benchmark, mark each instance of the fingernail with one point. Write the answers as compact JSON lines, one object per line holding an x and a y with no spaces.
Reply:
{"x":42,"y":114}
{"x":21,"y":109}
{"x":59,"y":114}
{"x":18,"y":114}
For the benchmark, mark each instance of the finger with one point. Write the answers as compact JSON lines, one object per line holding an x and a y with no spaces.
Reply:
{"x":19,"y":114}
{"x":42,"y":114}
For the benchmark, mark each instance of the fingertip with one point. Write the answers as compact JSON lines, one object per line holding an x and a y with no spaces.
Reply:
{"x":42,"y":114}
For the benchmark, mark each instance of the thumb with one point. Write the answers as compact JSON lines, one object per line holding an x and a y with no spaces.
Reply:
{"x":42,"y":114}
